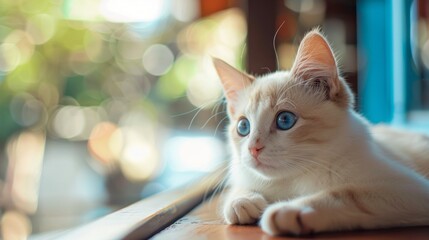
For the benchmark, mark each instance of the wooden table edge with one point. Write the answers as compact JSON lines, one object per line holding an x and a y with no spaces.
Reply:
{"x":147,"y":217}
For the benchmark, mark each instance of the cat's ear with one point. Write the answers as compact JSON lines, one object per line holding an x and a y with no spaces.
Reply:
{"x":316,"y":65}
{"x":233,"y":81}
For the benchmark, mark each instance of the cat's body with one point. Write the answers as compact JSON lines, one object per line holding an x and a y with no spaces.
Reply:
{"x":410,"y":149}
{"x":304,"y":161}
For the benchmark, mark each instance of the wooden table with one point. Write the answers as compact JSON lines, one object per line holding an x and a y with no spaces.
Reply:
{"x":203,"y":223}
{"x":188,"y":212}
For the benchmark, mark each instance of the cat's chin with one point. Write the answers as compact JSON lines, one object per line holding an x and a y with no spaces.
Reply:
{"x":260,"y":167}
{"x":269,"y":172}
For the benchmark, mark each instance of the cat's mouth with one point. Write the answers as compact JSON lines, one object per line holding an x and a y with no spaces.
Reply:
{"x":258,"y":164}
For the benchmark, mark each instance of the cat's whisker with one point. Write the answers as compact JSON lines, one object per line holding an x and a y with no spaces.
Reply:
{"x":243,"y":49}
{"x":217,"y":107}
{"x":283,"y":96}
{"x":202,"y":106}
{"x":286,"y":100}
{"x":185,"y":113}
{"x":297,"y":167}
{"x":218,"y":125}
{"x":219,"y":185}
{"x":329,"y":169}
{"x":213,"y":116}
{"x":219,"y":188}
{"x":307,"y":168}
{"x":220,"y":101}
{"x":199,"y":110}
{"x":267,"y":68}
{"x":242,"y":76}
{"x":274,"y":44}
{"x":301,"y":167}
{"x":193,"y":118}
{"x":306,"y":148}
{"x":287,"y":87}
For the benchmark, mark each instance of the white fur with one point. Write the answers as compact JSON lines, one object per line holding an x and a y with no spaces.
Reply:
{"x":345,"y":174}
{"x":395,"y":194}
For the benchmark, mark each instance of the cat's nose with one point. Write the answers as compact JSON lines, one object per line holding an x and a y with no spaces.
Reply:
{"x":256,"y":150}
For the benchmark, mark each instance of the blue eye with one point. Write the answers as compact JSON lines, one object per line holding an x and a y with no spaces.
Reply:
{"x":285,"y":120}
{"x":243,"y":127}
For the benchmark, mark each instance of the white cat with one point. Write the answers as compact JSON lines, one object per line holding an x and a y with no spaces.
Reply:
{"x":303,"y":161}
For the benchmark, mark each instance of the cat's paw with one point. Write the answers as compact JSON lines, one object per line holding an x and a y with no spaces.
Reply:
{"x":244,"y":210}
{"x":284,"y":219}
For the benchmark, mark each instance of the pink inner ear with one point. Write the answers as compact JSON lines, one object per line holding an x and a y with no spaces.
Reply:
{"x":315,"y":60}
{"x":315,"y":54}
{"x":232,"y":81}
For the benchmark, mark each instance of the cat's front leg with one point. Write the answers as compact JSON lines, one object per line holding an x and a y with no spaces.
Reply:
{"x":243,"y":207}
{"x":284,"y":218}
{"x":346,"y":209}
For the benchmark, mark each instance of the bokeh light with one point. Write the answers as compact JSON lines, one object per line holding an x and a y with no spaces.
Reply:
{"x":157,"y":59}
{"x":78,"y":62}
{"x":131,"y":47}
{"x":48,"y":94}
{"x":24,"y":42}
{"x":185,"y":10}
{"x":26,"y":76}
{"x":102,"y":145}
{"x":96,"y":48}
{"x":173,"y":84}
{"x":75,"y":119}
{"x":10,"y":57}
{"x":185,"y":153}
{"x":80,"y":10}
{"x":138,"y":157}
{"x":204,"y":89}
{"x":41,"y":28}
{"x":15,"y":226}
{"x":27,"y":111}
{"x":25,"y":154}
{"x":222,"y":35}
{"x":100,"y":81}
{"x":75,"y":122}
{"x":132,"y":11}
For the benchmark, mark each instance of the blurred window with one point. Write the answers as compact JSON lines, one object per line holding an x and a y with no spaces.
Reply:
{"x":393,"y":62}
{"x":105,"y":102}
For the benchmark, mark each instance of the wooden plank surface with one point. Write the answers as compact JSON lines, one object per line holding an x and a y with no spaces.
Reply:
{"x":143,"y":219}
{"x":204,"y":223}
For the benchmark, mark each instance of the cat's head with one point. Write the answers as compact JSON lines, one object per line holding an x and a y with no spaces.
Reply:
{"x":281,"y":119}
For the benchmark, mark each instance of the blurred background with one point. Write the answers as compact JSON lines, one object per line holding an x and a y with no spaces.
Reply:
{"x":106,"y":102}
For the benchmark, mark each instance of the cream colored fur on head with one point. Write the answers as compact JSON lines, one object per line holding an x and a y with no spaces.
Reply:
{"x":331,"y":170}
